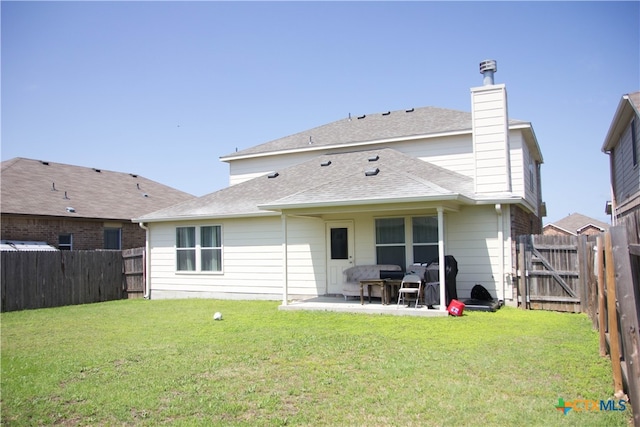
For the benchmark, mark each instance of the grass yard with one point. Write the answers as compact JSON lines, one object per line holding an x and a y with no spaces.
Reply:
{"x":141,"y":362}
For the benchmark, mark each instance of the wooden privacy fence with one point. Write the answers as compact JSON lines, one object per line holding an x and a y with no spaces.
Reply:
{"x":32,"y":280}
{"x":600,"y":276}
{"x":134,"y":277}
{"x":555,"y":272}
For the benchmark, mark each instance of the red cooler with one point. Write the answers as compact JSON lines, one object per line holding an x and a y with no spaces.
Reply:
{"x":455,"y":308}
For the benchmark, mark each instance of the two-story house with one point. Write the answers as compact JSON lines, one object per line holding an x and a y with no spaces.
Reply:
{"x":623,"y":146}
{"x":396,"y":187}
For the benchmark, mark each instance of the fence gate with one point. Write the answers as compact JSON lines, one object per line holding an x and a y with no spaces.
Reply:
{"x":134,"y":275}
{"x":553,"y":272}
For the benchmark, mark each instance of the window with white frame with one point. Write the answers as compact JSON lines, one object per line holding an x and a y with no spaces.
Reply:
{"x":425,"y":239}
{"x":199,"y":248}
{"x":394,"y":243}
{"x":390,"y":241}
{"x":210,"y":248}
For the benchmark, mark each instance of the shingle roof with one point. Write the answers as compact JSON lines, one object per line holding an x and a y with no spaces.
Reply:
{"x":343,"y":182}
{"x":371,"y":127}
{"x":33,"y":187}
{"x":576,"y":222}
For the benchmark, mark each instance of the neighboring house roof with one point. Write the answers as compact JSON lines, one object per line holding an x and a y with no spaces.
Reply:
{"x":575,"y":223}
{"x":34,"y":187}
{"x":628,"y":107}
{"x":380,"y":127}
{"x":25,"y":246}
{"x":401,"y":178}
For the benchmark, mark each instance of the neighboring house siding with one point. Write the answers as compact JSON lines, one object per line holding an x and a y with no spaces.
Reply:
{"x":87,"y":234}
{"x":626,"y":175}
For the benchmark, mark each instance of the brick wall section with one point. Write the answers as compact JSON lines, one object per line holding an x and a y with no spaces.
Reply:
{"x":523,"y":222}
{"x":87,"y":234}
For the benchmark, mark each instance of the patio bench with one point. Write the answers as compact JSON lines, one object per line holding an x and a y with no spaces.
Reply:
{"x":353,"y":276}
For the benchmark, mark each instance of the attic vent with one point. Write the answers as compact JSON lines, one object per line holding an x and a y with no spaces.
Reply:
{"x":362,"y":116}
{"x":374,"y":158}
{"x":145,"y":195}
{"x":371,"y":172}
{"x":53,"y":186}
{"x":97,"y":170}
{"x":325,"y":163}
{"x":273,"y":175}
{"x":409,"y":110}
{"x":387,"y":113}
{"x":310,"y":140}
{"x":65,"y":196}
{"x":138,"y":185}
{"x":133,"y":175}
{"x":44,"y":163}
{"x":70,"y":209}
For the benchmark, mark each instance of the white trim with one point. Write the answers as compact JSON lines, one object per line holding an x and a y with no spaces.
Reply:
{"x":285,"y":257}
{"x":441,"y":266}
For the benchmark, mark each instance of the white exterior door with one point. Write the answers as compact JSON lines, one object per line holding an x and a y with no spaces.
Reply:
{"x":339,"y":253}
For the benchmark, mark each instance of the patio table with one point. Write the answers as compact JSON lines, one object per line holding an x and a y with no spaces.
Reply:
{"x":386,"y":288}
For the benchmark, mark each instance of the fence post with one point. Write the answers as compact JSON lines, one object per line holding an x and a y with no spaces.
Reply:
{"x":612,"y":321}
{"x":583,"y":273}
{"x":522,"y":270}
{"x":629,"y":302}
{"x":601,"y":303}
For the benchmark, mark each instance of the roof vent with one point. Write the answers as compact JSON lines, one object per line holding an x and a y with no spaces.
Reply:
{"x":145,"y":195}
{"x":133,"y":175}
{"x":273,"y":175}
{"x":371,"y":172}
{"x":387,"y":113}
{"x":65,"y":196}
{"x":410,"y":110}
{"x":70,"y":209}
{"x":44,"y":163}
{"x":53,"y":186}
{"x":325,"y":163}
{"x":487,"y":68}
{"x":362,"y":116}
{"x":97,"y":170}
{"x":374,"y":158}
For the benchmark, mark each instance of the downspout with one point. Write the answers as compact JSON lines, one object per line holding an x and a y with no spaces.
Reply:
{"x":147,"y":262}
{"x":501,"y":247}
{"x":441,"y":266}
{"x":285,"y":256}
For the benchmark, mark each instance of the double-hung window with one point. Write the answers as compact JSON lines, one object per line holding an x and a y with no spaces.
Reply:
{"x":65,"y":242}
{"x":425,"y":239}
{"x":112,"y":238}
{"x":395,"y":243}
{"x":390,"y":241}
{"x":199,"y":248}
{"x":210,"y":248}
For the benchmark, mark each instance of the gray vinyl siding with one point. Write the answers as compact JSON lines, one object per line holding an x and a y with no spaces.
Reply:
{"x":626,"y":175}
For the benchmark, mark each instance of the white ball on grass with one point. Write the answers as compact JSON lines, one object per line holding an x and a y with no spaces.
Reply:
{"x":217,"y":316}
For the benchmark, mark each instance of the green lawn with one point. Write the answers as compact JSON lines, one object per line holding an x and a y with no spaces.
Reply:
{"x":141,"y":362}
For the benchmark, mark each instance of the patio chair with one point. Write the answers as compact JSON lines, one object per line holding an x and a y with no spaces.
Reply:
{"x":411,"y":285}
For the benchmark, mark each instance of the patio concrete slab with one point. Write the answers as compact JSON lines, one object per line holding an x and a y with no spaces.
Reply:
{"x":339,"y":304}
